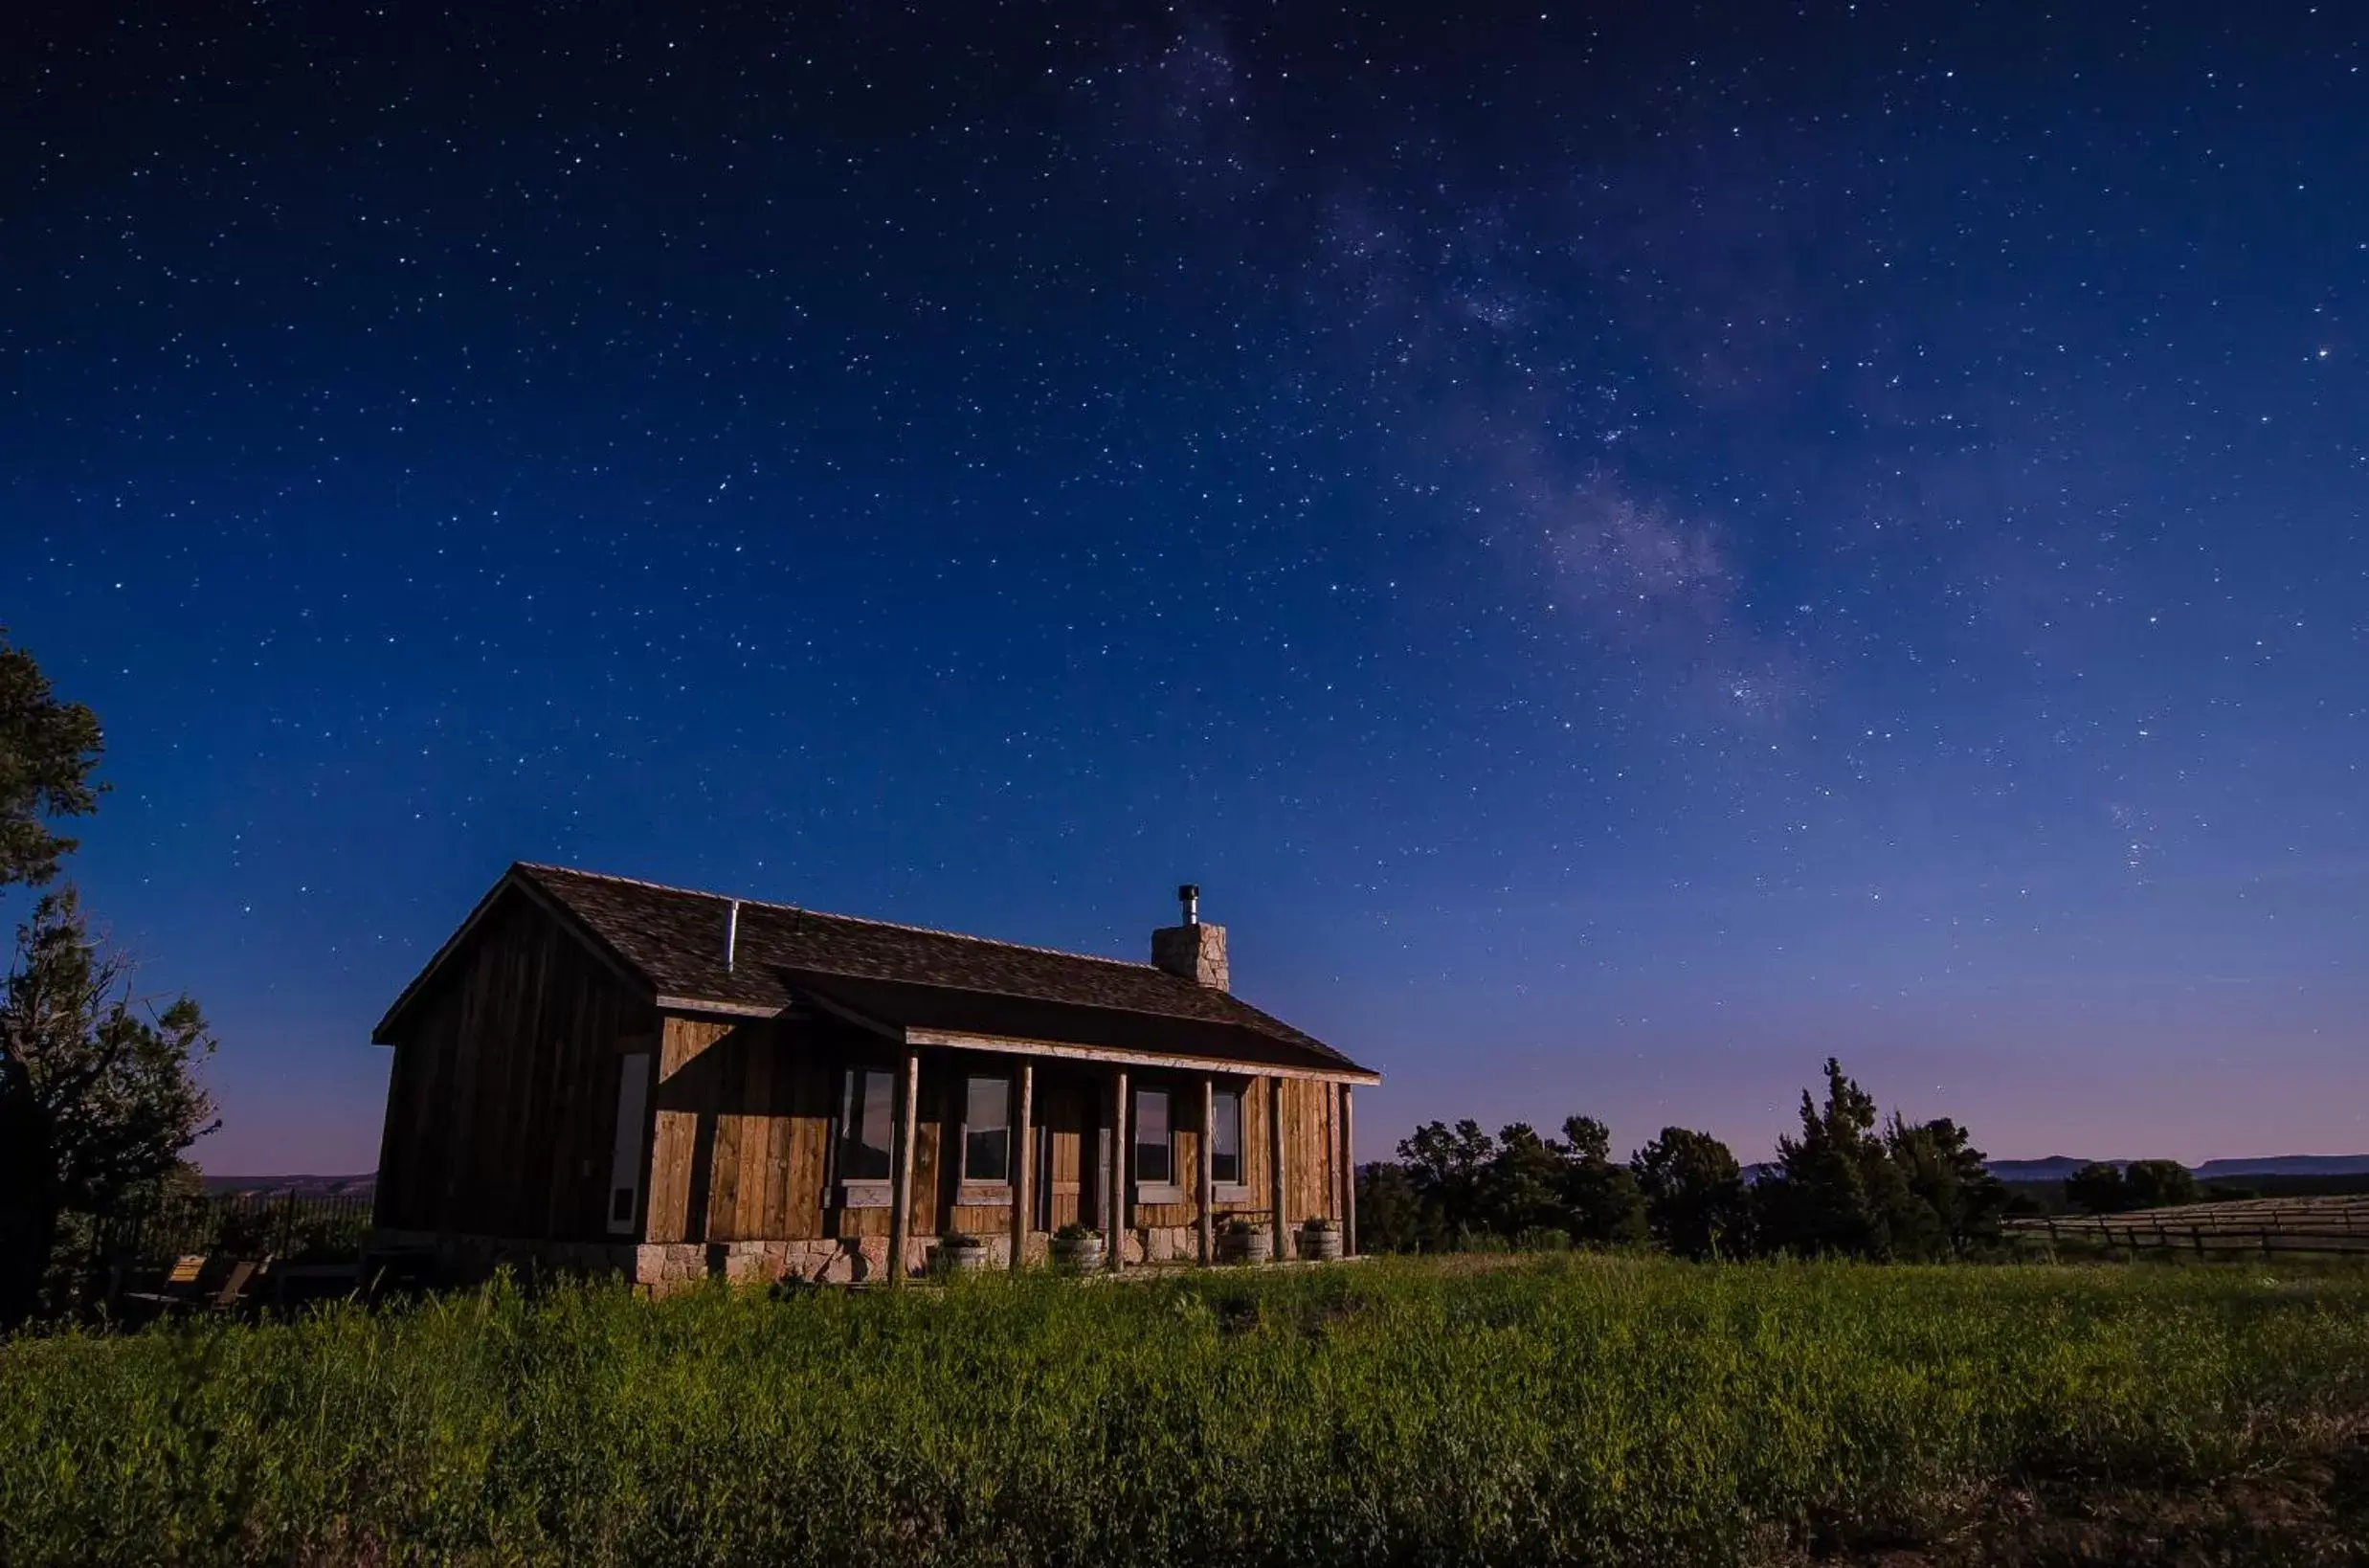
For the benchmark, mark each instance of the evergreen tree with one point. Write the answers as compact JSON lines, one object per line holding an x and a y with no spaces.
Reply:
{"x":2159,"y":1184}
{"x":1446,"y":1165}
{"x":1522,"y":1190}
{"x":96,"y":1100}
{"x":1391,"y":1216}
{"x":1954,"y":1202}
{"x":1693,"y":1191}
{"x":1836,"y":1188}
{"x":1601,"y":1198}
{"x":2097,"y":1188}
{"x":47,"y":751}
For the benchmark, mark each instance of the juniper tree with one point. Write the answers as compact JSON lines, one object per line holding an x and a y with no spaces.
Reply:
{"x":1695,"y":1203}
{"x":98,"y":1094}
{"x":47,"y":751}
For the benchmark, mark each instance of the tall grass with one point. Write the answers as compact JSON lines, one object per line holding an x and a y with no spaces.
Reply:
{"x":1577,"y":1410}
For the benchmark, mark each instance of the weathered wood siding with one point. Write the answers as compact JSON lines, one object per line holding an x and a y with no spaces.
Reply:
{"x":746,"y":1116}
{"x":1311,"y":1151}
{"x":1068,"y":1106}
{"x":1258,"y":1178}
{"x":502,"y":1100}
{"x":501,"y":1107}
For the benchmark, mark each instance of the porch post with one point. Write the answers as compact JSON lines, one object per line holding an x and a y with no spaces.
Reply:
{"x":1348,"y":1179}
{"x":1207,"y":1187}
{"x":1275,"y":1164}
{"x":1115,"y":1242}
{"x":1024,"y":1170}
{"x":901,"y":1166}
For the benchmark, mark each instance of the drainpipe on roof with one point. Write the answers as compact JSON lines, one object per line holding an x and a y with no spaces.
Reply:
{"x":731,"y":936}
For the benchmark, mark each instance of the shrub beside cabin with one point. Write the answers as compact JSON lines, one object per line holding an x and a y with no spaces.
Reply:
{"x":599,"y":1073}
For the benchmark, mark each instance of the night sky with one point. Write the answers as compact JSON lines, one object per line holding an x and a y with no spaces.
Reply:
{"x":1626,"y":550}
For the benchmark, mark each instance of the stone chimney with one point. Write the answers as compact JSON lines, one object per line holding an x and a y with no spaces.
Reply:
{"x":1193,"y":951}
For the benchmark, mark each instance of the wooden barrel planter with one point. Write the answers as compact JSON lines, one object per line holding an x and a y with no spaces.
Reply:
{"x":1243,"y":1243}
{"x":961,"y":1255}
{"x":1078,"y":1253}
{"x":1320,"y":1241}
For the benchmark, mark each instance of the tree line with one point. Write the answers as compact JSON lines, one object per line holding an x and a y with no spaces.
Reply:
{"x":1849,"y":1183}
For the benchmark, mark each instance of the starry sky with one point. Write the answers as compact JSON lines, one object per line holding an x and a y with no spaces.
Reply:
{"x":1626,"y":549}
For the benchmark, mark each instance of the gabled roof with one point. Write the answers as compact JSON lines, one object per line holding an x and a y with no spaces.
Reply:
{"x":907,"y":981}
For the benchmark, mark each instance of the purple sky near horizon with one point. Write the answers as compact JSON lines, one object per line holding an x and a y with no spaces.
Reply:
{"x":1626,"y":552}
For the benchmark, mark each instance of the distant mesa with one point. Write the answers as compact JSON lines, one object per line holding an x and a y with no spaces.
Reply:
{"x":2057,"y":1167}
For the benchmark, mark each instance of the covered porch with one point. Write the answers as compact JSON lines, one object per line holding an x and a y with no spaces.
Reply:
{"x":823,"y":1149}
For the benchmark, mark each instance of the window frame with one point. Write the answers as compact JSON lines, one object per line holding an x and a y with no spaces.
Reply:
{"x":971,"y":1189}
{"x":1238,"y":1190}
{"x":862,"y":1192}
{"x":1172,"y":1190}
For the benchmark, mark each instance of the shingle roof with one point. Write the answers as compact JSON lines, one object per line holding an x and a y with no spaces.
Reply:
{"x":908,"y":977}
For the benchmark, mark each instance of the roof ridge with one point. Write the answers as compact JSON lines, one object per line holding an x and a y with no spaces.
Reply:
{"x":832,"y":914}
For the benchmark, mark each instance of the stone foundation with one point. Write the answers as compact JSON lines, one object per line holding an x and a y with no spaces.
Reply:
{"x":664,"y":1267}
{"x":671,"y":1265}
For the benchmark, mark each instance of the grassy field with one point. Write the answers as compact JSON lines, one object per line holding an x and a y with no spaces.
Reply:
{"x":1564,"y":1410}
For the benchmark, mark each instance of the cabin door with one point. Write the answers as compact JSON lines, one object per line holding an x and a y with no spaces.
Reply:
{"x":1060,"y":1135}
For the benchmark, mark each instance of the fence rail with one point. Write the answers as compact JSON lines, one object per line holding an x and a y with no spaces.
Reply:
{"x":2257,"y":1226}
{"x":287,"y":1226}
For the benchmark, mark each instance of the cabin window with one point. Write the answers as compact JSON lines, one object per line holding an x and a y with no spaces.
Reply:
{"x":1225,"y":1138}
{"x":987,"y":1129}
{"x":1155,"y":1153}
{"x":867,"y":1132}
{"x":1156,"y":1147}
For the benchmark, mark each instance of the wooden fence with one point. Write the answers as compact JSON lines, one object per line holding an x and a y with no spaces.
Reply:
{"x":247,"y":1224}
{"x":2260,"y":1227}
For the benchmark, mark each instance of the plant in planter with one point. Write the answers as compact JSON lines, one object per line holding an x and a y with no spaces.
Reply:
{"x":961,"y":1253}
{"x":1076,"y":1249}
{"x":1240,"y":1240}
{"x":1320,"y":1238}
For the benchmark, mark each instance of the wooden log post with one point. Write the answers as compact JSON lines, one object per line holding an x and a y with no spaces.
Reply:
{"x":1023,"y":1167}
{"x":1204,"y":1183}
{"x":901,"y":1165}
{"x":1114,"y":1245}
{"x":1349,"y":1177}
{"x":1275,"y":1165}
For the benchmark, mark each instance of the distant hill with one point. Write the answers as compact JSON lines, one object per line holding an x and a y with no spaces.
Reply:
{"x":2057,"y":1167}
{"x":302,"y":1186}
{"x":2054,"y":1167}
{"x":2301,"y":1165}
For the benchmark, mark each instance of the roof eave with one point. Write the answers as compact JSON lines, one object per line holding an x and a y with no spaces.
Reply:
{"x":1349,"y":1072}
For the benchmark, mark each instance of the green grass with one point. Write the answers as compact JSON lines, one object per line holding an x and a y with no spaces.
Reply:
{"x":1565,"y":1410}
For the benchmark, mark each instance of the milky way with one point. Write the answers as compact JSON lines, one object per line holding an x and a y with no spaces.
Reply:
{"x":1624,"y":552}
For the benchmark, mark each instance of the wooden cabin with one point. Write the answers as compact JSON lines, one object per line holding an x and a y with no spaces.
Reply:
{"x":606,"y":1074}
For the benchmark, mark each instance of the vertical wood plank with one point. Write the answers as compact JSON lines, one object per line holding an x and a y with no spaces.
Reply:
{"x":901,"y":1165}
{"x":1023,"y":1163}
{"x":1206,"y":1186}
{"x":1349,"y":1177}
{"x":1114,"y":1243}
{"x":1275,"y":1182}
